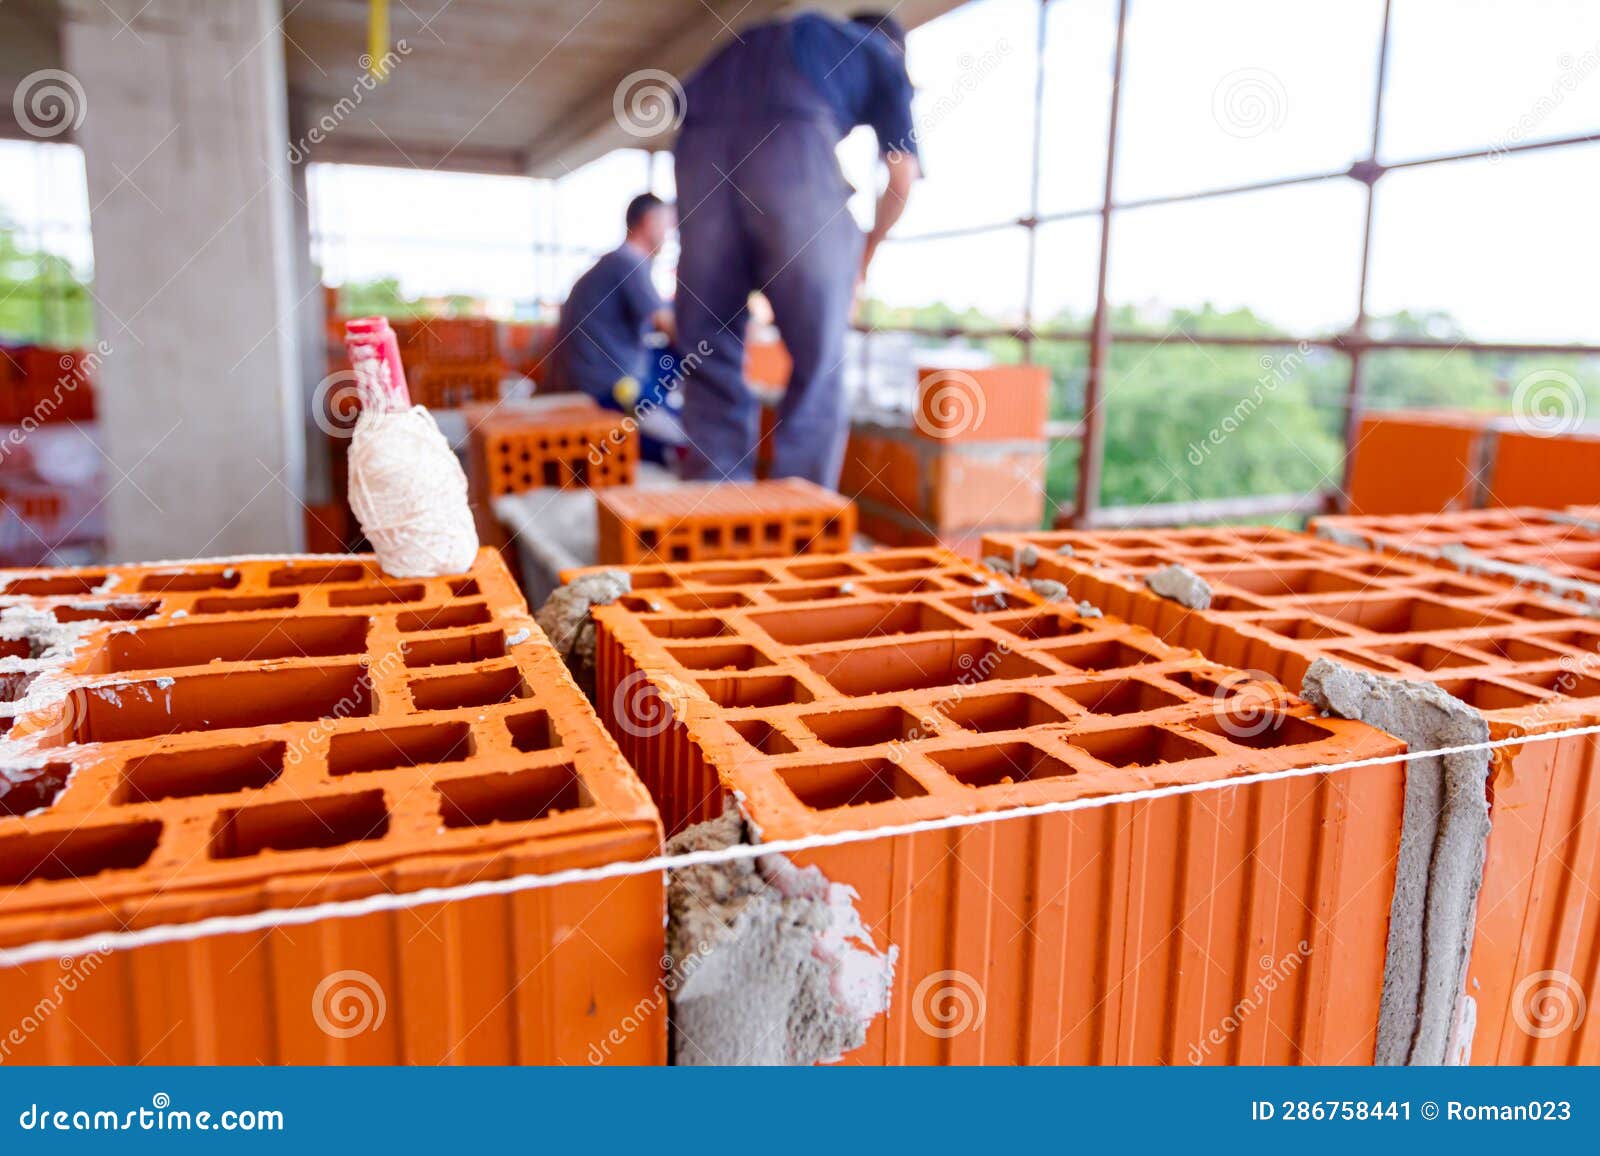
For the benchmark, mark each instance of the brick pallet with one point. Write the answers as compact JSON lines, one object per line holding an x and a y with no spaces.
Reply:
{"x":1525,"y":661}
{"x":843,"y":693}
{"x":723,"y":520}
{"x":574,"y":443}
{"x":265,"y":733}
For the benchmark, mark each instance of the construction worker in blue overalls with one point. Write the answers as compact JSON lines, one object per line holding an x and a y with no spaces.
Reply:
{"x":762,"y":208}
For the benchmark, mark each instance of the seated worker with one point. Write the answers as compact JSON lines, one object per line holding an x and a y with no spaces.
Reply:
{"x":600,"y":339}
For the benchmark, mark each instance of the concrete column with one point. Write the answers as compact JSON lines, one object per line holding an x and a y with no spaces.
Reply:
{"x":186,"y":147}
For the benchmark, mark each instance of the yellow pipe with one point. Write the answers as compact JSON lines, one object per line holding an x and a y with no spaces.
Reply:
{"x":378,"y":39}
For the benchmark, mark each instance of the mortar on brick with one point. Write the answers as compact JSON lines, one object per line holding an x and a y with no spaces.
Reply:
{"x":1181,"y":585}
{"x":770,"y":962}
{"x":565,"y":619}
{"x":1442,"y":850}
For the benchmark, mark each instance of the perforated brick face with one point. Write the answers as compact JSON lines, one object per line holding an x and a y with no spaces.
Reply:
{"x":1282,"y":599}
{"x":286,"y":732}
{"x":1563,"y":545}
{"x":725,"y":520}
{"x":565,"y":447}
{"x":1528,"y":661}
{"x":843,"y":693}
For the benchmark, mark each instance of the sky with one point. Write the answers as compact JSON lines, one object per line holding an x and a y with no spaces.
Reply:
{"x":1216,"y":93}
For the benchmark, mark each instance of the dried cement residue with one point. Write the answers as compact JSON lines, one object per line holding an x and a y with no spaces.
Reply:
{"x":1423,"y":1018}
{"x":770,"y":962}
{"x":1525,"y":574}
{"x":1181,"y":585}
{"x":565,"y":618}
{"x":1049,"y":589}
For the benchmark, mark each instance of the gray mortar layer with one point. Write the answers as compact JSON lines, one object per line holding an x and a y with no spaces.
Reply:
{"x":746,"y":984}
{"x":1181,"y":585}
{"x":1444,"y":834}
{"x":1525,"y":574}
{"x":565,"y":618}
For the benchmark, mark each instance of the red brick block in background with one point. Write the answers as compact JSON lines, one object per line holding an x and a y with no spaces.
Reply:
{"x":1553,"y":472}
{"x":999,"y":403}
{"x":1411,"y":462}
{"x":767,"y":363}
{"x":917,"y":490}
{"x":707,"y":521}
{"x":460,"y":340}
{"x":1528,"y":662}
{"x":515,"y":447}
{"x":838,"y":694}
{"x":267,"y":733}
{"x":450,"y":385}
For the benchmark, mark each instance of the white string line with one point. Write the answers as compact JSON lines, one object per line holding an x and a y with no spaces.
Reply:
{"x":422,"y":897}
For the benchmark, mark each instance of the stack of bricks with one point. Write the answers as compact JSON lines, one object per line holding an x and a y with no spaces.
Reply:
{"x":230,"y":738}
{"x":972,"y":458}
{"x":47,"y":398}
{"x":721,"y":520}
{"x":1526,"y":661}
{"x":1434,"y":461}
{"x":839,"y":694}
{"x":43,"y":385}
{"x":569,"y":443}
{"x":1553,"y":550}
{"x":451,"y":361}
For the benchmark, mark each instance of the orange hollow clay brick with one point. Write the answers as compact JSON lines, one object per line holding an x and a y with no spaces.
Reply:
{"x":447,"y":385}
{"x":1552,"y":550}
{"x":723,"y":520}
{"x":1528,"y":662}
{"x":1408,"y":462}
{"x":274,"y":733}
{"x":998,"y":403}
{"x":844,"y":693}
{"x":566,"y":445}
{"x":1538,"y":470}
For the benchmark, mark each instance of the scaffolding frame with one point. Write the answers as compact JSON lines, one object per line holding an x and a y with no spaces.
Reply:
{"x":1355,"y":342}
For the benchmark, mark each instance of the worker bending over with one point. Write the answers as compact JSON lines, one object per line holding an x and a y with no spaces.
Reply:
{"x":600,"y":347}
{"x":764,"y":210}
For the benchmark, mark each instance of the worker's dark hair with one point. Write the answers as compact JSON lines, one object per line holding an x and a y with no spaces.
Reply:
{"x":884,"y":23}
{"x":641,"y":207}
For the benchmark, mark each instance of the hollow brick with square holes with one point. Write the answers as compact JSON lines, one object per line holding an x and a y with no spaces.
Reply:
{"x":1546,"y":549}
{"x":721,"y":520}
{"x":1530,"y":663}
{"x":564,"y":446}
{"x":843,"y":693}
{"x":272,"y":733}
{"x":440,"y":385}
